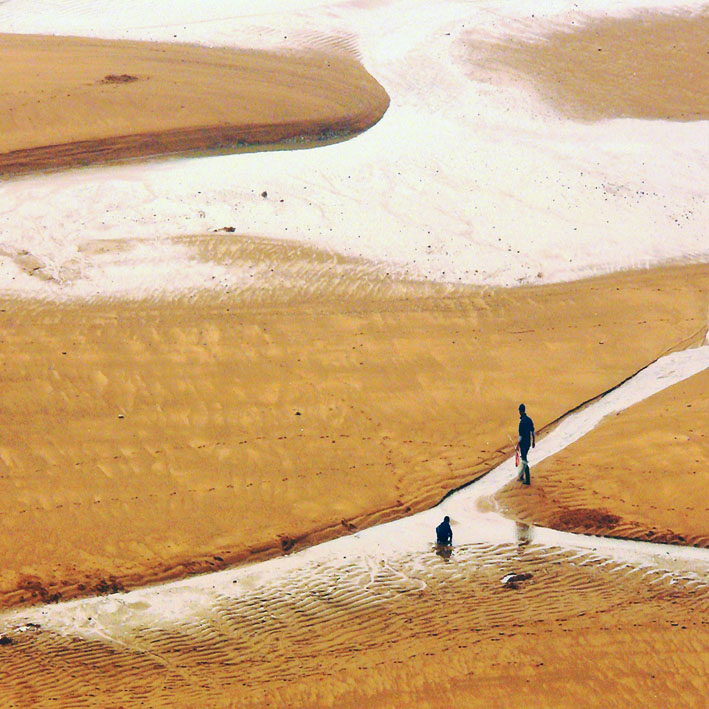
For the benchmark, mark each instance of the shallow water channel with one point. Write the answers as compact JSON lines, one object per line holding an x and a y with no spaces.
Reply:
{"x":401,"y":553}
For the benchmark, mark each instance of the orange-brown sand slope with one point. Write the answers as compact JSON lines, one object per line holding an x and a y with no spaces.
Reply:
{"x":396,"y":632}
{"x":70,"y":101}
{"x":153,"y":439}
{"x":642,"y":474}
{"x":649,"y":65}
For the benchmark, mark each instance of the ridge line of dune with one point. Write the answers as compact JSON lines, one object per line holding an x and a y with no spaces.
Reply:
{"x":119,"y":99}
{"x":214,"y":138}
{"x":684,"y":344}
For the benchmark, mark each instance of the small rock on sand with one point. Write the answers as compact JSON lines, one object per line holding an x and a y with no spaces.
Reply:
{"x":511,"y":580}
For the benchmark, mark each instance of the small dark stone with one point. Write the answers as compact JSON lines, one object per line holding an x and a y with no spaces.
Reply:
{"x":119,"y":79}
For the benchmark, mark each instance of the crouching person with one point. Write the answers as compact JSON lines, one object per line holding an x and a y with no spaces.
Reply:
{"x":444,"y":533}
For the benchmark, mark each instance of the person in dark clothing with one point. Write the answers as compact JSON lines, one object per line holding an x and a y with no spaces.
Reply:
{"x":444,"y":533}
{"x":526,"y":438}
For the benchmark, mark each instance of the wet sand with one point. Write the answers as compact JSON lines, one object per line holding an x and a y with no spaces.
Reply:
{"x":149,"y":440}
{"x":649,"y":65}
{"x":640,"y":475}
{"x":71,"y":101}
{"x":583,"y":630}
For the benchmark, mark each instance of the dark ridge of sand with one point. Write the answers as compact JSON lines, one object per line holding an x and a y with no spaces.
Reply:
{"x":651,"y":65}
{"x":68,"y":101}
{"x":155,"y":439}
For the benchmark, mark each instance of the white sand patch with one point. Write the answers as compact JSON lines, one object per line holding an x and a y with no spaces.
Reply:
{"x":460,"y":182}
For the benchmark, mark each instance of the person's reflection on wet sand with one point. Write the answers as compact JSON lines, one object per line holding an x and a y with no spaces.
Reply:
{"x":444,"y":551}
{"x":524,"y":533}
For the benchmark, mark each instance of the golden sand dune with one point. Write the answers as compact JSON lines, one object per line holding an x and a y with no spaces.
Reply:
{"x":410,"y":630}
{"x":650,"y":65}
{"x":640,"y":475}
{"x":151,"y":440}
{"x":70,"y":101}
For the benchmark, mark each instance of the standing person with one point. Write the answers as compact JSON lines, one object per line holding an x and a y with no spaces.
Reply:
{"x":526,"y":438}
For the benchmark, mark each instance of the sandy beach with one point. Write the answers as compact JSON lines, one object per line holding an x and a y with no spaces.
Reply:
{"x":230,"y":382}
{"x":649,"y":65}
{"x":118,"y":100}
{"x":639,"y":475}
{"x":411,"y":629}
{"x":169,"y":438}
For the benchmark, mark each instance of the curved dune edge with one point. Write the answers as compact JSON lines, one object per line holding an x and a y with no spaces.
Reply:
{"x":115,"y":100}
{"x":151,"y":440}
{"x":650,"y":65}
{"x":640,"y":475}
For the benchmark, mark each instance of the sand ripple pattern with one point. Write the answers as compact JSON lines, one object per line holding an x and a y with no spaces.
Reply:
{"x":354,"y":631}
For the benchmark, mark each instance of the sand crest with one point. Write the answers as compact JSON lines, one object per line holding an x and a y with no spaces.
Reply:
{"x":154,"y":439}
{"x":69,"y":101}
{"x":640,"y":475}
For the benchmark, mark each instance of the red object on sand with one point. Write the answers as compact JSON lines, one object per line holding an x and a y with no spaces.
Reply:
{"x":516,"y":456}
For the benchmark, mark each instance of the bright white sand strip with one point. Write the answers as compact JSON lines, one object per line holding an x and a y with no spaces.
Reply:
{"x":459,"y":182}
{"x":119,"y":616}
